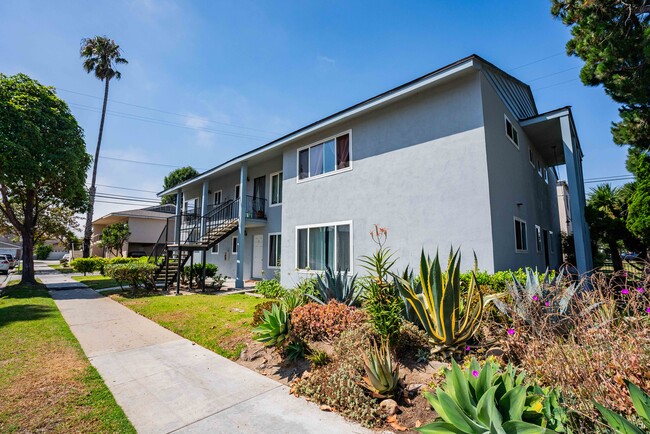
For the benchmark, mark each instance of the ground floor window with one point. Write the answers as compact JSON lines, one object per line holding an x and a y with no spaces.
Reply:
{"x":275,"y":242}
{"x":551,"y":244}
{"x":521,"y":241}
{"x":538,"y":238}
{"x":215,"y":248}
{"x":234,"y":244}
{"x":329,"y":245}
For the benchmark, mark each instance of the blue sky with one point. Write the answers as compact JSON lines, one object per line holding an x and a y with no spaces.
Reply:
{"x":225,"y":77}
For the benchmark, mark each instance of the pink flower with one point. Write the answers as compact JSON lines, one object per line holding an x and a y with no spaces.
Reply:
{"x":547,"y":304}
{"x":475,"y":373}
{"x":624,"y":291}
{"x":625,"y":274}
{"x":639,"y":289}
{"x":511,"y":332}
{"x":467,"y":348}
{"x":648,"y":310}
{"x":535,"y":297}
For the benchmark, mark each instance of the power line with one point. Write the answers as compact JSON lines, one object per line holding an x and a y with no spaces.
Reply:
{"x":169,"y":113}
{"x":135,"y":117}
{"x":556,"y":84}
{"x":536,"y":61}
{"x":125,"y":188}
{"x":550,"y":75}
{"x":118,"y":203}
{"x":146,"y":163}
{"x":131,"y":198}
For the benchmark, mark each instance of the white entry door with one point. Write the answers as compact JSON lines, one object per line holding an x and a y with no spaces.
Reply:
{"x":258,"y":256}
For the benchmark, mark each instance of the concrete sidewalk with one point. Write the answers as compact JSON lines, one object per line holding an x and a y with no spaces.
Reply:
{"x":165,"y":383}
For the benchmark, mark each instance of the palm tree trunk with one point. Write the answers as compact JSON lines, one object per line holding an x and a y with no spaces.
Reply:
{"x":617,"y":262}
{"x":88,"y":233}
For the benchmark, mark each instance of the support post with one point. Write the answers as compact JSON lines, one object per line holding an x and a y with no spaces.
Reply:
{"x":241,"y":233}
{"x":177,"y":238}
{"x":191,"y":269}
{"x":203,"y":277}
{"x":204,"y":211}
{"x":573,"y":159}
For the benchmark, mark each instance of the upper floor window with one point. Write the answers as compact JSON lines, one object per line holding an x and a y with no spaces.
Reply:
{"x":325,"y":157}
{"x":511,"y":132}
{"x":545,"y":174}
{"x":531,"y":157}
{"x":191,"y":206}
{"x":237,"y":189}
{"x":276,"y":188}
{"x":217,"y":197}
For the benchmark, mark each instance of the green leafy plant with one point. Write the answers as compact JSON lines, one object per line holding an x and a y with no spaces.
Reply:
{"x":274,"y":329}
{"x":88,"y":265}
{"x":620,"y":424}
{"x":337,"y":287}
{"x":293,"y":299}
{"x":437,"y":301}
{"x":136,"y":274}
{"x":295,"y":350}
{"x":197,"y":273}
{"x":308,"y":286}
{"x":270,"y":288}
{"x":114,"y":236}
{"x":318,"y":358}
{"x":485,"y":400}
{"x":42,"y":251}
{"x":382,"y":377}
{"x":258,"y":313}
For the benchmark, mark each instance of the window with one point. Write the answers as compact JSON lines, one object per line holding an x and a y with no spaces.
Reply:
{"x":531,"y":157}
{"x":324,"y":246}
{"x":551,"y":246}
{"x":538,"y":238}
{"x":325,"y":157}
{"x":521,"y":241}
{"x":545,"y":174}
{"x":234,"y":244}
{"x":511,"y":132}
{"x":276,"y":188}
{"x":215,"y":248}
{"x":539,"y":167}
{"x":217,"y":197}
{"x":236,"y":192}
{"x":191,"y":206}
{"x":275,"y":244}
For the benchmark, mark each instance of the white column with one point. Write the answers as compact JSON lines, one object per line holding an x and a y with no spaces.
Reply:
{"x":204,"y":211}
{"x":573,"y":160}
{"x":179,"y":208}
{"x":241,"y":234}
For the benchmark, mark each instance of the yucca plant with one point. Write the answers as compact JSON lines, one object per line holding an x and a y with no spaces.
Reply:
{"x":382,"y":378}
{"x":485,"y":400}
{"x":336,"y":287}
{"x":274,"y":329}
{"x":318,"y":357}
{"x":621,"y":425}
{"x":437,"y":301}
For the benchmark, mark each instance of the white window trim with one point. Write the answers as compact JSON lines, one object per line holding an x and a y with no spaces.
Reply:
{"x":514,"y":228}
{"x":271,"y":204}
{"x":234,"y":244}
{"x":220,"y":195}
{"x":212,"y":249}
{"x":545,"y":174}
{"x":268,"y":259}
{"x":320,"y":225}
{"x":505,"y":127}
{"x":531,"y":157}
{"x":538,"y":241}
{"x":333,"y":172}
{"x":196,"y":209}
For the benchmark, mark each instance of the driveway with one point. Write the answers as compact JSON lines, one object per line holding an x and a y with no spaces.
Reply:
{"x":165,"y":383}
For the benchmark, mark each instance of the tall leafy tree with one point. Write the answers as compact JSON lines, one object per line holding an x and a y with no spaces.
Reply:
{"x":638,"y":219}
{"x":176,"y":177}
{"x":613,"y":39}
{"x":43,"y":159}
{"x":101,"y":56}
{"x":114,"y":236}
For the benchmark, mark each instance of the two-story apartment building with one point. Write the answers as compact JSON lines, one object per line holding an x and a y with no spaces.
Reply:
{"x":459,"y":157}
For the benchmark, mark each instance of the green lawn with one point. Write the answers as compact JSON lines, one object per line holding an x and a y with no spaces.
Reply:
{"x":97,"y":282}
{"x":213,"y":321}
{"x":46,"y":382}
{"x":61,"y":269}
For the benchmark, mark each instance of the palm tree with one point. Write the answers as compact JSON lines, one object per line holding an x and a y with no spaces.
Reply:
{"x":607,"y":218}
{"x":100,"y":55}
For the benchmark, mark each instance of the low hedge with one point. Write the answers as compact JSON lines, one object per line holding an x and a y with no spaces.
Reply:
{"x":88,"y":265}
{"x":270,"y":288}
{"x":134,"y":273}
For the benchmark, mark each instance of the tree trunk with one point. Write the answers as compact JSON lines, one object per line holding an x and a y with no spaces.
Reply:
{"x":28,"y":257}
{"x":88,"y":233}
{"x":617,"y":262}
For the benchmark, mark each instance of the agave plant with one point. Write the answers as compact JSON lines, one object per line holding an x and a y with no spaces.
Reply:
{"x":621,"y":425}
{"x":436,"y":300}
{"x":484,"y":400}
{"x":274,"y":329}
{"x":336,"y":287}
{"x":382,"y":378}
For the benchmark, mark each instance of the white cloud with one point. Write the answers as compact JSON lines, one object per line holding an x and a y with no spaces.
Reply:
{"x":325,"y":62}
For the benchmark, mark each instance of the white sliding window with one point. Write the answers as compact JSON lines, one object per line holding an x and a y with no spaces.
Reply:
{"x":329,"y":156}
{"x":322,"y":246}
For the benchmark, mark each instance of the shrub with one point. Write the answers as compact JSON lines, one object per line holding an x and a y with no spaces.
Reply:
{"x":318,"y":322}
{"x":87,"y":265}
{"x":295,"y":350}
{"x":274,"y":329}
{"x":42,"y":251}
{"x":270,"y":288}
{"x":134,"y":273}
{"x":258,"y":313}
{"x":197,"y":273}
{"x":338,"y":287}
{"x":308,"y":286}
{"x":384,"y":309}
{"x":318,"y":358}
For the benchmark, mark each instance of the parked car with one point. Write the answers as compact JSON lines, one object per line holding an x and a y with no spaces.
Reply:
{"x":12,"y":261}
{"x":4,"y":264}
{"x":630,"y":256}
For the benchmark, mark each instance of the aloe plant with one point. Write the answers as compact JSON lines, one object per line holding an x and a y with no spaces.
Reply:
{"x":336,"y":287}
{"x":382,"y":378}
{"x":274,"y":328}
{"x":621,"y":425}
{"x":437,"y":301}
{"x":484,"y":400}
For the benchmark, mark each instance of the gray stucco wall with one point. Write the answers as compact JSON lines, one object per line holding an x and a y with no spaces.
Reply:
{"x":418,"y":168}
{"x":513,"y":180}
